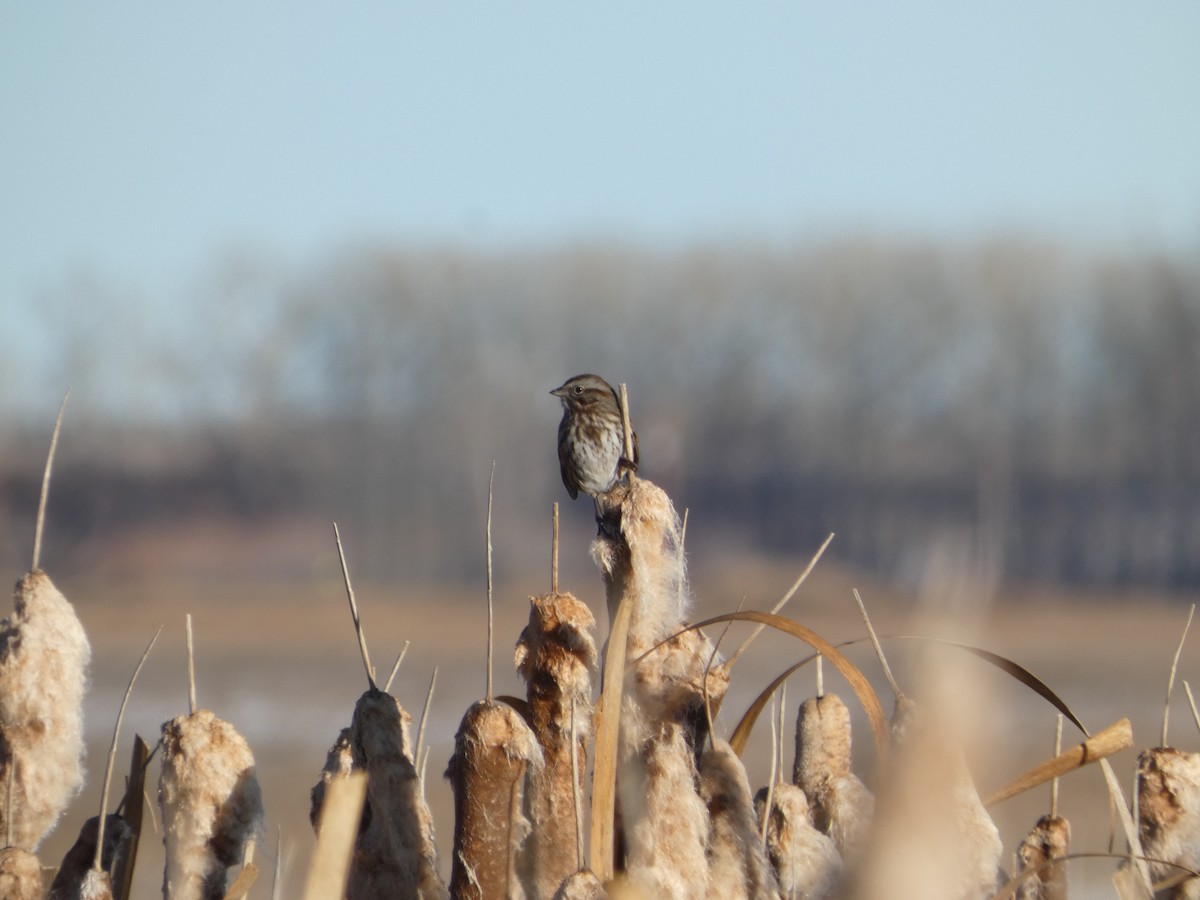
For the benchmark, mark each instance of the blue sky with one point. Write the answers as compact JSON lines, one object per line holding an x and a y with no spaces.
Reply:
{"x":141,"y":139}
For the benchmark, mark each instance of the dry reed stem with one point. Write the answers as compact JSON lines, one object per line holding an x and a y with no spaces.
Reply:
{"x":191,"y":664}
{"x":358,"y":627}
{"x":20,"y":875}
{"x":44,"y":658}
{"x":1187,"y":689}
{"x":337,"y":829}
{"x":131,"y":810}
{"x":492,"y":750}
{"x":112,"y":749}
{"x":387,"y":688}
{"x":1171,"y":677}
{"x":887,"y":669}
{"x":554,"y":553}
{"x":556,"y":657}
{"x":240,"y":888}
{"x":1113,"y":739}
{"x":841,"y":805}
{"x":806,"y":862}
{"x":489,"y":696}
{"x":425,"y":716}
{"x":1169,"y":813}
{"x":783,"y":601}
{"x":1049,"y":840}
{"x":737,"y":859}
{"x":211,"y":804}
{"x":1058,"y":731}
{"x":39,"y":524}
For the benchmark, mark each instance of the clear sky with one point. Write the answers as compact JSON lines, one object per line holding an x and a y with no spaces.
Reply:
{"x":138,"y":139}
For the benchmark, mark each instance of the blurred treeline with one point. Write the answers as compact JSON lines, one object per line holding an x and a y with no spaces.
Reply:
{"x":1038,"y":402}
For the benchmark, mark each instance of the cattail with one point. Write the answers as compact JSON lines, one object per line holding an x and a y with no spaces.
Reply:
{"x":44,"y":657}
{"x":645,"y":568}
{"x":339,"y":762}
{"x":394,"y":853}
{"x":1169,"y":813}
{"x":806,"y":861}
{"x":581,"y":885}
{"x":493,"y":751}
{"x":841,"y":805}
{"x":932,"y":838}
{"x":666,"y":823}
{"x":211,"y":804}
{"x":69,"y":882}
{"x":20,"y":875}
{"x":1050,"y":839}
{"x":737,"y":860}
{"x":662,"y":718}
{"x":556,"y":656}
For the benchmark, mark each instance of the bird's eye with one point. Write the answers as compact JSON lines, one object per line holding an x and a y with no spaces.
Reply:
{"x":579,"y":388}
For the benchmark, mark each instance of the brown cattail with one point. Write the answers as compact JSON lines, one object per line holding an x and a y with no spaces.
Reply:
{"x":394,"y":853}
{"x":841,"y":805}
{"x":44,"y":656}
{"x":666,"y":822}
{"x":806,"y":861}
{"x":556,"y":655}
{"x":737,"y":860}
{"x":1050,"y":839}
{"x":644,"y":567}
{"x":662,"y":711}
{"x":69,"y":882}
{"x":1169,"y":813}
{"x":581,"y":885}
{"x":211,"y":804}
{"x":339,"y":762}
{"x":493,"y":751}
{"x":20,"y":875}
{"x":932,"y":838}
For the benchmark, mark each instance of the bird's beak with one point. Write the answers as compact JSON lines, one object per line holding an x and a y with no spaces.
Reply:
{"x":557,"y":392}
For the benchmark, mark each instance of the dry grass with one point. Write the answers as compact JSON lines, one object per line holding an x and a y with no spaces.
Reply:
{"x":279,"y":675}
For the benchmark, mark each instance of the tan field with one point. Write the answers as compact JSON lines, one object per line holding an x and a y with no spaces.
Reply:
{"x":276,"y":656}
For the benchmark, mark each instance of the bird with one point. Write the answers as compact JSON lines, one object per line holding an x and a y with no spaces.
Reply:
{"x":591,"y":437}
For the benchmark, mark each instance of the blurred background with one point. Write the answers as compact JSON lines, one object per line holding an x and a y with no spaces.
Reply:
{"x":923,"y":276}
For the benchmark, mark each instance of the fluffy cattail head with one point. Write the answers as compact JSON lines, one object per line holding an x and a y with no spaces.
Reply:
{"x":44,"y":658}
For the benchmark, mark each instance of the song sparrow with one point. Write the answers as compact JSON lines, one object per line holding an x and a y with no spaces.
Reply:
{"x":591,"y":439}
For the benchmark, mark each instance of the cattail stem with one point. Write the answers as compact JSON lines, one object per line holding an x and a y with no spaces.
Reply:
{"x":554,"y":554}
{"x":358,"y":629}
{"x":112,"y":752}
{"x":1058,"y":729}
{"x":766,"y":815}
{"x":425,"y":716}
{"x":628,"y":429}
{"x":490,"y":617}
{"x":1171,"y":677}
{"x":41,"y":513}
{"x":1192,"y":702}
{"x":387,"y":688}
{"x":191,"y":660}
{"x":782,"y":601}
{"x":887,"y":670}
